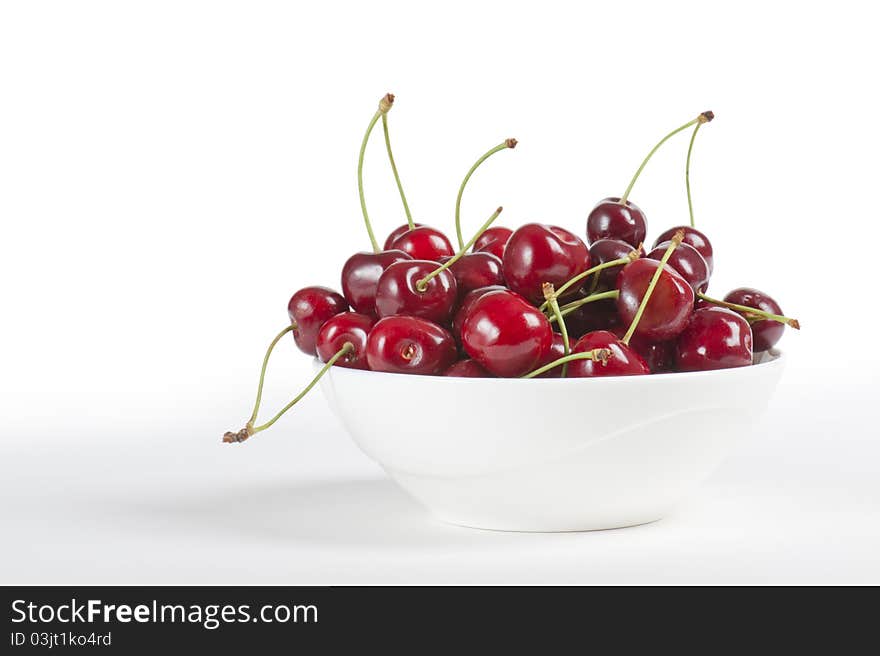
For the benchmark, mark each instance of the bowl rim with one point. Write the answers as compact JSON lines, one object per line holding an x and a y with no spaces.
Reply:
{"x":777,"y":359}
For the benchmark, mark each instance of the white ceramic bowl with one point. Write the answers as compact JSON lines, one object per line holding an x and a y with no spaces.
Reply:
{"x":550,"y":454}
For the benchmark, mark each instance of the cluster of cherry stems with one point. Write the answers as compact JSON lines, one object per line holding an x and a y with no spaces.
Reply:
{"x":535,"y":302}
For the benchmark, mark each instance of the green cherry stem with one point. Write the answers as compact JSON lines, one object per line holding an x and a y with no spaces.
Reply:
{"x":600,"y":354}
{"x":656,"y":148}
{"x":409,"y":218}
{"x":507,"y":143}
{"x":250,"y":429}
{"x":705,"y":117}
{"x":384,"y":105}
{"x":574,"y":305}
{"x":752,"y":312}
{"x":263,"y":371}
{"x":550,"y":296}
{"x":422,"y":284}
{"x":634,"y":255}
{"x":674,"y":243}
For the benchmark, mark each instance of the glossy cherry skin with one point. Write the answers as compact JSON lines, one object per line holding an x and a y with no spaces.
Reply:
{"x":659,"y":356}
{"x":360,"y":275}
{"x":692,"y":237}
{"x":410,"y":345}
{"x":557,"y":350}
{"x":538,"y":253}
{"x":505,"y":334}
{"x":493,"y":240}
{"x":611,"y":220}
{"x":624,"y":361}
{"x":669,"y":307}
{"x":765,"y":332}
{"x":423,"y":243}
{"x":715,"y":338}
{"x":475,"y":270}
{"x":308,"y":309}
{"x":687,"y":261}
{"x":608,"y":250}
{"x":467,"y":302}
{"x":467,"y":369}
{"x":397,"y":232}
{"x":598,"y":315}
{"x":396,"y":292}
{"x":346,"y":327}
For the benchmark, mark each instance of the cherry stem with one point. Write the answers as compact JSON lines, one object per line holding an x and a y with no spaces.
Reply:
{"x":634,"y":254}
{"x":550,"y":296}
{"x":674,"y":243}
{"x":571,"y":307}
{"x":422,"y":284}
{"x":753,"y":312}
{"x":687,"y":173}
{"x":409,"y":218}
{"x":250,"y":429}
{"x":599,"y":354}
{"x":507,"y":143}
{"x":702,"y":118}
{"x":384,"y":105}
{"x":263,"y":371}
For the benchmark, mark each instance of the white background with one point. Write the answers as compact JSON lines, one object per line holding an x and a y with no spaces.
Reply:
{"x":170,"y":172}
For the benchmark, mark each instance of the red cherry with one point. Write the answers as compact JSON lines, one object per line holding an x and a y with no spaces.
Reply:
{"x":624,"y":361}
{"x":608,"y":250}
{"x":398,"y":291}
{"x":360,"y":275}
{"x":612,"y":220}
{"x":475,"y":270}
{"x":308,"y":309}
{"x":506,"y":334}
{"x":598,"y":315}
{"x":692,"y":237}
{"x":467,"y":302}
{"x":423,"y":243}
{"x":493,"y":240}
{"x":557,"y":350}
{"x":765,"y":332}
{"x":410,"y":345}
{"x":538,"y":254}
{"x":467,"y":369}
{"x":346,"y":327}
{"x":659,"y":356}
{"x":715,"y":338}
{"x":397,"y":232}
{"x":668,"y":309}
{"x":687,"y":261}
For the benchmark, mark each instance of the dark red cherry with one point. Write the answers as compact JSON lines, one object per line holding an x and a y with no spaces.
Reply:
{"x":398,"y":292}
{"x":624,"y":361}
{"x":410,"y":345}
{"x":346,"y":327}
{"x":692,"y":237}
{"x":611,"y":220}
{"x":608,"y":250}
{"x":715,"y":338}
{"x":467,"y":369}
{"x":475,"y":270}
{"x":765,"y":332}
{"x":493,"y":240}
{"x":308,"y":309}
{"x":423,"y":243}
{"x":538,"y":254}
{"x":557,"y":350}
{"x":659,"y":356}
{"x":397,"y":232}
{"x":506,"y":334}
{"x":687,"y":261}
{"x":467,"y":303}
{"x":669,"y":307}
{"x":360,"y":275}
{"x":598,"y":315}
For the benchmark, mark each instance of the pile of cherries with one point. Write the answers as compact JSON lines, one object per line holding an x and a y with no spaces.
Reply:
{"x":537,"y":301}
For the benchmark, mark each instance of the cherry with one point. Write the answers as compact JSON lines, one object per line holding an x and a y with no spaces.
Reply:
{"x":598,"y":315}
{"x":475,"y":270}
{"x":360,"y":276}
{"x":557,"y":350}
{"x":623,"y":360}
{"x":659,"y":356}
{"x":494,"y":240}
{"x":467,"y":302}
{"x":410,"y":345}
{"x":694,"y":238}
{"x":467,"y":369}
{"x":613,"y":219}
{"x":397,"y":232}
{"x":348,"y":327}
{"x":539,"y":253}
{"x":505,"y":334}
{"x":423,"y":243}
{"x":688,"y":262}
{"x":715,"y":338}
{"x":401,"y":290}
{"x":765,"y":332}
{"x":507,"y":143}
{"x":308,"y":309}
{"x":608,"y":250}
